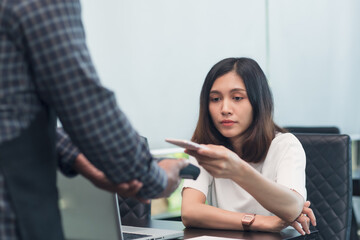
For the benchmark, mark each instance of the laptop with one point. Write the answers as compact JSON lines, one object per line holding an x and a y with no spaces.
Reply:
{"x":89,"y":213}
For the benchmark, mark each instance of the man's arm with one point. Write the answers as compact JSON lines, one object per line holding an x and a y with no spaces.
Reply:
{"x":66,"y":80}
{"x":71,"y":162}
{"x":98,"y":178}
{"x":66,"y":153}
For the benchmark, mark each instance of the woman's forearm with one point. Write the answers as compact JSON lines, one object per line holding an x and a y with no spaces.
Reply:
{"x":206,"y":216}
{"x":281,"y":201}
{"x":220,"y":162}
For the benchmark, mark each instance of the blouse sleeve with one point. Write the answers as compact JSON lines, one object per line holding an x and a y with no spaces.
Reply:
{"x":291,"y":167}
{"x":202,"y":182}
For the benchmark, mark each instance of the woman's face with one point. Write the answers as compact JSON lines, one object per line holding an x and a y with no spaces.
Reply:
{"x":229,"y":106}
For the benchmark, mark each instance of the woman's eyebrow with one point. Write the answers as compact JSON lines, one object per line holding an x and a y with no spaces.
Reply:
{"x":238,"y":90}
{"x":232,"y":90}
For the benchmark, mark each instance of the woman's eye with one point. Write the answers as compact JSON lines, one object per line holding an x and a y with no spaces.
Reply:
{"x":215,"y":99}
{"x":237,"y":98}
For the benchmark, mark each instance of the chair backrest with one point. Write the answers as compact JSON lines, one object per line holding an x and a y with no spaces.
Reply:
{"x":320,"y":129}
{"x":329,"y":182}
{"x":132,"y":211}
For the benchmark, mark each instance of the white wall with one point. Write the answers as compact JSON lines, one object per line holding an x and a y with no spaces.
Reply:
{"x":314,"y":62}
{"x":154,"y":54}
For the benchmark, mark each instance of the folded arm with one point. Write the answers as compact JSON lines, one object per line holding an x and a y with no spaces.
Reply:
{"x":195,"y":213}
{"x":220,"y":162}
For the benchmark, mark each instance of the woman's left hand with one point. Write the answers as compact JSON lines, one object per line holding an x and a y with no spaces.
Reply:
{"x":218,"y":160}
{"x":302,"y":223}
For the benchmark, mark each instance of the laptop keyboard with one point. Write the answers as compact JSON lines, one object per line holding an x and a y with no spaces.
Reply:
{"x":129,"y":236}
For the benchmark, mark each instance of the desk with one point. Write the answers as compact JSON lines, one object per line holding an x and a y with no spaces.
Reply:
{"x":196,"y":232}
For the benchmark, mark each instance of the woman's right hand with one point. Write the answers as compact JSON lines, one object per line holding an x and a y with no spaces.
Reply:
{"x":218,"y":160}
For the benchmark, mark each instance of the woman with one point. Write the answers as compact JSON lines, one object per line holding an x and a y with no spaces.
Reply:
{"x":252,"y":171}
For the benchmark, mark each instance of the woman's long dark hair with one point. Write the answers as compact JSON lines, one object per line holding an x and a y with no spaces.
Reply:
{"x":258,"y":137}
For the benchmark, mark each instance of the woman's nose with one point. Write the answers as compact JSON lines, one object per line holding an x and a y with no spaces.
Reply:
{"x":226,"y":108}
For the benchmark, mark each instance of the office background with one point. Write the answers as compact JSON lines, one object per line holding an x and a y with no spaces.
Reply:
{"x":155,"y":55}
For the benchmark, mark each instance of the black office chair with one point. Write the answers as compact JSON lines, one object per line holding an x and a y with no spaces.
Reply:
{"x":132,"y":210}
{"x":329,"y":182}
{"x":319,"y":129}
{"x":331,"y":130}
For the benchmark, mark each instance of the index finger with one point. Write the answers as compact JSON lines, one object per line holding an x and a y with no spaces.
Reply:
{"x":191,"y":152}
{"x":197,"y":156}
{"x":309,"y":212}
{"x":298,"y":227}
{"x":212,"y":152}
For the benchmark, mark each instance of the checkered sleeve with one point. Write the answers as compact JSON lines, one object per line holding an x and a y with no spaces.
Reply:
{"x":67,"y":80}
{"x":66,"y":153}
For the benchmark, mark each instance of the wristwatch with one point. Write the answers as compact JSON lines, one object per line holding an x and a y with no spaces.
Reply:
{"x":247,"y":220}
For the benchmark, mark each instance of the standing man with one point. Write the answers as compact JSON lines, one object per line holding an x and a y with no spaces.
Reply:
{"x":46,"y":71}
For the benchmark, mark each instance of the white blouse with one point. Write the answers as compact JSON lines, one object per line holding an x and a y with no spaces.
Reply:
{"x":284,"y":164}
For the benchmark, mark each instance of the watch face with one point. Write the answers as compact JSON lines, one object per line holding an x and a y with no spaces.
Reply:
{"x":248,"y":219}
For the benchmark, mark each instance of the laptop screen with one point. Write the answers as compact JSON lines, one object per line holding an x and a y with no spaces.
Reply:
{"x":87,"y":212}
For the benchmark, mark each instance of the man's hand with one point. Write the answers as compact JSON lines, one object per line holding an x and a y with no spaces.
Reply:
{"x":98,"y":178}
{"x":172,"y":168}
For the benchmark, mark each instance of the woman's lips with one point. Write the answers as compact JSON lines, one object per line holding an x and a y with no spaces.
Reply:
{"x":227,"y":123}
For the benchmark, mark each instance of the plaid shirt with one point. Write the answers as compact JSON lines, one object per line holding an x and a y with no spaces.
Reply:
{"x":44,"y":59}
